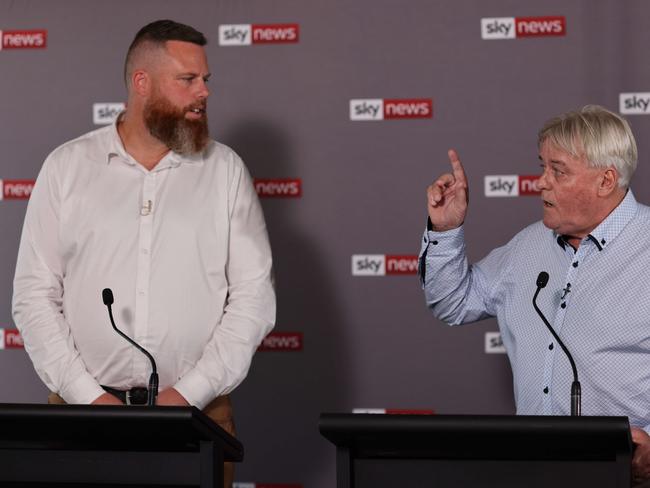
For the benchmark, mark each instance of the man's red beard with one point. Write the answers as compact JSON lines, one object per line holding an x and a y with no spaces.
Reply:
{"x":169,"y":125}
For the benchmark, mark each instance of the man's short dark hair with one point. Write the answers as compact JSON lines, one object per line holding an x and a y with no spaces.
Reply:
{"x":158,"y":33}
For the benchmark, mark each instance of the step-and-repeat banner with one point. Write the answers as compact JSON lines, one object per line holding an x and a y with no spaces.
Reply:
{"x":344,"y":112}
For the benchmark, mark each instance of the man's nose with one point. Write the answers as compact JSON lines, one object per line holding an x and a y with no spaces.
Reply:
{"x":542,"y":182}
{"x":203,"y":91}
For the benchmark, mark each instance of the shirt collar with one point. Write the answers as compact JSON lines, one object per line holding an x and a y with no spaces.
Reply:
{"x":609,"y":228}
{"x":171,"y":159}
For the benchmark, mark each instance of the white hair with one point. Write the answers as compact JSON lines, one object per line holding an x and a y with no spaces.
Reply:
{"x":603,"y":138}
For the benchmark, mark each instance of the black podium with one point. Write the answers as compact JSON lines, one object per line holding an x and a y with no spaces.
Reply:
{"x":112,"y":446}
{"x":441,"y":451}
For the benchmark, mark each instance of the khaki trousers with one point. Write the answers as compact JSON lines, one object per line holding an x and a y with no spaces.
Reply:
{"x":219,"y":410}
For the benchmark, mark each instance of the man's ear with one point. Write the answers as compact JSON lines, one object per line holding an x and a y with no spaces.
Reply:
{"x":608,"y":182}
{"x":141,"y":82}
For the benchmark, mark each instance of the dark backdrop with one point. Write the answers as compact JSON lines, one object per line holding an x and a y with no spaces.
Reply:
{"x":367,"y":341}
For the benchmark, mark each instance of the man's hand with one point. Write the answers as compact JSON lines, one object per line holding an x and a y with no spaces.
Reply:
{"x":447,"y":197}
{"x":641,"y":459}
{"x":171,"y":398}
{"x":107,"y":399}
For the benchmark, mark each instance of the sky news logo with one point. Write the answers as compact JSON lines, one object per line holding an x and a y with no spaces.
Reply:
{"x":11,"y":339}
{"x":23,"y":39}
{"x":516,"y":27}
{"x":247,"y":34}
{"x":394,"y":411}
{"x":239,"y":484}
{"x":282,"y":341}
{"x":634,"y":103}
{"x":278,"y":187}
{"x":365,"y":109}
{"x":383,"y":264}
{"x":494,"y":343}
{"x":106,"y":113}
{"x":16,"y":189}
{"x":511,"y":185}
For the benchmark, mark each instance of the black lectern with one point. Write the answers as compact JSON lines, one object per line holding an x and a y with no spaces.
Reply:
{"x":112,"y":446}
{"x":441,"y":451}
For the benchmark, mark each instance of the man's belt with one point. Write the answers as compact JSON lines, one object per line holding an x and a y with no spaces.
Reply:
{"x":134,"y":396}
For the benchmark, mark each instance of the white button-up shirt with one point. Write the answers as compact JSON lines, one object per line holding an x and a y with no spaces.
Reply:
{"x":185,"y":250}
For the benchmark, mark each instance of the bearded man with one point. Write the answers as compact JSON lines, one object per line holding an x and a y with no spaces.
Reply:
{"x":169,"y":220}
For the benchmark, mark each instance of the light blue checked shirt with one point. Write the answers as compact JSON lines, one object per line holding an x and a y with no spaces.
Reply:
{"x":604,"y":320}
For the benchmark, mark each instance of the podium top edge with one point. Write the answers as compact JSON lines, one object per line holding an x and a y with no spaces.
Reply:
{"x":339,"y":423}
{"x":9,"y":410}
{"x":35,"y":421}
{"x":478,"y":436}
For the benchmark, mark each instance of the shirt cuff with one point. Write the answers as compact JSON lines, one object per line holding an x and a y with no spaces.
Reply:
{"x":453,"y":237}
{"x":449,"y":239}
{"x":196,"y":389}
{"x":84,"y":391}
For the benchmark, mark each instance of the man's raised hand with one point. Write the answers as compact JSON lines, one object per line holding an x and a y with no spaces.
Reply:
{"x":447,"y":197}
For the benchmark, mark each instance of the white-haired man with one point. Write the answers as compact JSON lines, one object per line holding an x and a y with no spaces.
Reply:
{"x":593,"y":242}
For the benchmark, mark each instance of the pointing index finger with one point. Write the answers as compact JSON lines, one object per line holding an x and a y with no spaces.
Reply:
{"x":457,"y":166}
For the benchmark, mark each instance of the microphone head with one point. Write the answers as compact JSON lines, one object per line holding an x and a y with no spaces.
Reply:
{"x":542,"y":279}
{"x":107,"y":296}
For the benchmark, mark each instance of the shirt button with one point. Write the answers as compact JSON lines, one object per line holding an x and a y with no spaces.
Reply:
{"x":563,"y":305}
{"x":435,"y":243}
{"x":142,"y":293}
{"x":145,"y":251}
{"x":546,"y":389}
{"x":575,"y":265}
{"x":550,"y":346}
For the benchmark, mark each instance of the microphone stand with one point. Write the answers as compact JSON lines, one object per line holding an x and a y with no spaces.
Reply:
{"x":576,"y":394}
{"x":152,"y":389}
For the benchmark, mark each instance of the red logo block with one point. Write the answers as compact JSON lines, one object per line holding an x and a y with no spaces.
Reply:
{"x":540,"y":26}
{"x":282,"y":341}
{"x":278,"y":187}
{"x":31,"y":39}
{"x":407,"y":411}
{"x":11,"y":339}
{"x":17,"y":189}
{"x":275,"y":33}
{"x":528,"y":185}
{"x":414,"y":108}
{"x":401,"y":265}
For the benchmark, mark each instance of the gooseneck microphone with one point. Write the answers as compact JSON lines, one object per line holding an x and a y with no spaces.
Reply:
{"x":152,"y":390}
{"x":576,"y":395}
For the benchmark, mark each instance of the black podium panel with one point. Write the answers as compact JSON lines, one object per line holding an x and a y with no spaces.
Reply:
{"x":106,"y":446}
{"x":394,"y":473}
{"x":382,"y":451}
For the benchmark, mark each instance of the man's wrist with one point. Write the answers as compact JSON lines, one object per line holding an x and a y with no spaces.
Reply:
{"x":432,"y":228}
